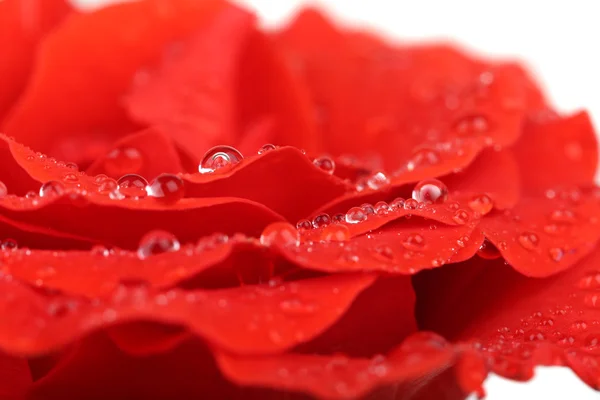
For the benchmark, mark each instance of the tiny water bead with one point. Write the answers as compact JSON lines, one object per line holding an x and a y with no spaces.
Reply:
{"x":430,"y":191}
{"x":556,"y":253}
{"x":414,"y":241}
{"x":167,"y":188}
{"x":132,"y":185}
{"x":481,"y":204}
{"x":157,"y":242}
{"x":460,"y":216}
{"x":472,"y":125}
{"x":356,"y":215}
{"x":3,"y":190}
{"x":219,"y":157}
{"x":321,"y":220}
{"x":123,"y":160}
{"x":488,"y":251}
{"x":562,"y":216}
{"x":304,"y":225}
{"x":266,"y":147}
{"x":528,"y":240}
{"x":52,"y":188}
{"x":411,"y":204}
{"x":280,"y":234}
{"x":336,"y":233}
{"x":70,"y":178}
{"x":325,"y":164}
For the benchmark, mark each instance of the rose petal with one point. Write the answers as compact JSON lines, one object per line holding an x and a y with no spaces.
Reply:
{"x":517,"y":321}
{"x":542,"y":236}
{"x":557,"y":151}
{"x":72,"y":102}
{"x":338,"y":377}
{"x":16,"y":378}
{"x":393,"y":101}
{"x":22,"y":25}
{"x":150,"y":154}
{"x":282,"y":179}
{"x":125,"y":221}
{"x":247,"y":320}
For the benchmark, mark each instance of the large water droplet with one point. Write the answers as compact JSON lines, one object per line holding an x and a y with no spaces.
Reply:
{"x":488,"y":251}
{"x":280,"y":234}
{"x":157,"y":242}
{"x":528,"y":240}
{"x":356,"y":215}
{"x":321,"y":220}
{"x":325,"y":164}
{"x":132,"y":185}
{"x":219,"y":157}
{"x":414,"y":241}
{"x":460,"y":216}
{"x":167,"y":188}
{"x":123,"y":160}
{"x":3,"y":190}
{"x":481,"y":204}
{"x":430,"y":191}
{"x":335,"y":233}
{"x":52,"y":188}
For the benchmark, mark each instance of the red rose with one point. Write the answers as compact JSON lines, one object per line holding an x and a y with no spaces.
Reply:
{"x":440,"y":221}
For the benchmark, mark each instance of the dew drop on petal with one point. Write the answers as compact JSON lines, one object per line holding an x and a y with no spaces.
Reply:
{"x":411,"y":204}
{"x":325,"y":164}
{"x":98,"y":179}
{"x":488,"y":251}
{"x":528,"y":240}
{"x":303,"y":225}
{"x":167,"y":188}
{"x":266,"y":147}
{"x":556,"y":253}
{"x":157,"y":242}
{"x":356,"y":215}
{"x":108,"y":187}
{"x":377,"y":181}
{"x":382,"y":208}
{"x":414,"y":241}
{"x":368,"y":208}
{"x":591,"y":281}
{"x":460,"y":216}
{"x":3,"y":190}
{"x":397,"y":204}
{"x":280,"y":234}
{"x":52,"y":188}
{"x":337,"y":218}
{"x":321,"y":220}
{"x":462,"y":241}
{"x":70,"y":178}
{"x":423,"y":157}
{"x":481,"y":204}
{"x":123,"y":160}
{"x":472,"y":125}
{"x":132,"y":185}
{"x":8,"y":244}
{"x":430,"y":191}
{"x":563,"y":216}
{"x":219,"y":157}
{"x":336,"y":233}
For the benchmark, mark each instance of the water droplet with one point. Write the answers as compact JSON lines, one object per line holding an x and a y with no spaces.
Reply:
{"x":528,"y":240}
{"x":280,"y":234}
{"x":356,"y":215}
{"x":8,"y":244}
{"x":423,"y":157}
{"x":3,"y":190}
{"x":168,"y":188}
{"x":219,"y":157}
{"x":462,"y":241}
{"x":71,"y":165}
{"x":108,"y":187}
{"x":336,"y":233}
{"x":368,"y":209}
{"x":534,"y":335}
{"x":590,"y":281}
{"x":339,"y":217}
{"x":52,"y":188}
{"x":430,"y":191}
{"x":556,"y":253}
{"x":157,"y":242}
{"x":397,"y":204}
{"x":101,"y":251}
{"x":563,"y":216}
{"x":592,"y":300}
{"x":296,"y":306}
{"x":472,"y":124}
{"x":70,"y":178}
{"x":377,"y":181}
{"x":266,"y":147}
{"x":488,"y":251}
{"x":384,"y":252}
{"x":481,"y":204}
{"x":460,"y":216}
{"x":132,"y":185}
{"x":123,"y":160}
{"x":414,"y":241}
{"x":411,"y":204}
{"x":98,"y":179}
{"x":303,"y":225}
{"x":551,"y":229}
{"x":321,"y":220}
{"x":578,"y":327}
{"x":325,"y":164}
{"x":382,"y":208}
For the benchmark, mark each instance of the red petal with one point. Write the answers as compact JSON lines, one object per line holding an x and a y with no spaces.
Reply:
{"x":126,"y":221}
{"x":15,"y":379}
{"x":542,"y":236}
{"x":22,"y":25}
{"x":157,"y":154}
{"x":554,"y":152}
{"x":338,"y":377}
{"x":78,"y":98}
{"x":519,"y":322}
{"x":247,"y":320}
{"x":376,"y":99}
{"x":282,"y":179}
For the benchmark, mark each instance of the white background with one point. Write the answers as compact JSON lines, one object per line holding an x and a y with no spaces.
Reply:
{"x":557,"y":40}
